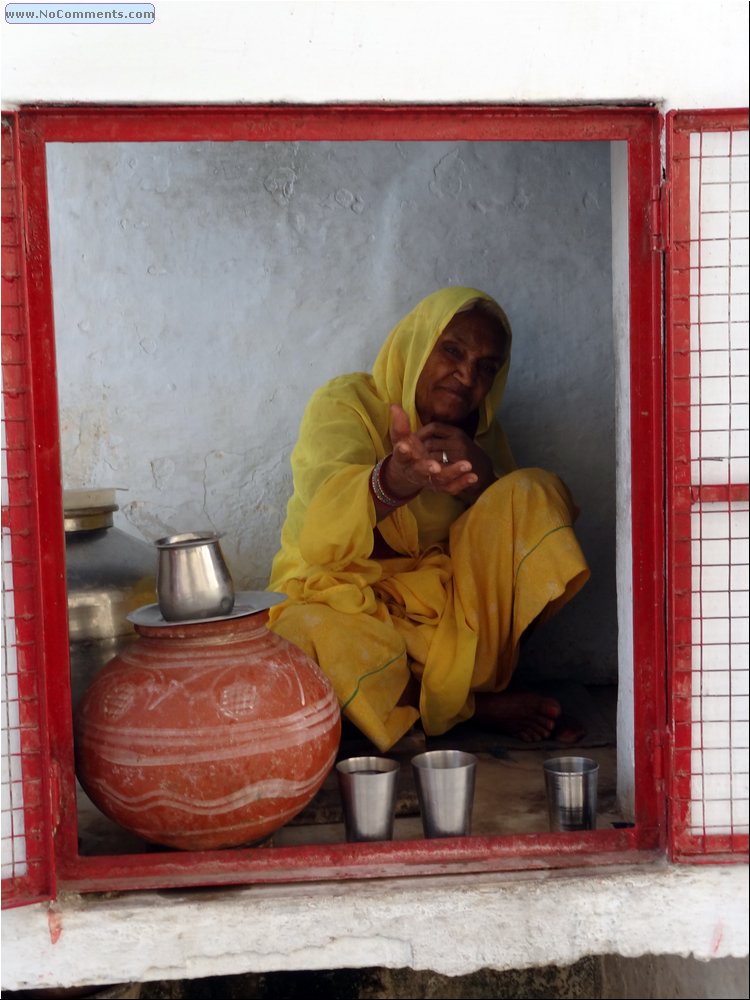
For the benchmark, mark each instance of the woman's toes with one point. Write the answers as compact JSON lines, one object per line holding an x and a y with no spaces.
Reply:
{"x":568,"y":731}
{"x":550,"y":708}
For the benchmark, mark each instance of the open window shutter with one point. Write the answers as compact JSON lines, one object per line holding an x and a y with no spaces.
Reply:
{"x":707,"y":482}
{"x":27,"y":857}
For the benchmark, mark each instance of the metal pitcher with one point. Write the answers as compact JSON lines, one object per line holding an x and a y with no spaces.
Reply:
{"x":192,"y":579}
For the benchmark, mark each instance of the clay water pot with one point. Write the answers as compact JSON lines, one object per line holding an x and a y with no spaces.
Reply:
{"x":208,"y":735}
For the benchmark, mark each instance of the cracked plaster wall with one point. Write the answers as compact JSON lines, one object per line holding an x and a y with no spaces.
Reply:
{"x":203,"y":290}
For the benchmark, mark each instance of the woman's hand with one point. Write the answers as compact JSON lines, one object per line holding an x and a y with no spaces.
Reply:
{"x":417,"y":460}
{"x":444,"y":441}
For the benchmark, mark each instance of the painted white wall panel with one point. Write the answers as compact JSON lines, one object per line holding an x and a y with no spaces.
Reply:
{"x":204,"y":290}
{"x":684,"y":54}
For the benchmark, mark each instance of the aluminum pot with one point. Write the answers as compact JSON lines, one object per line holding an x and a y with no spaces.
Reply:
{"x":109,"y":574}
{"x":192,"y":579}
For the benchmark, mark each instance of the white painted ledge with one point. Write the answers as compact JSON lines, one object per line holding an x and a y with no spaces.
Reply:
{"x":452,"y":925}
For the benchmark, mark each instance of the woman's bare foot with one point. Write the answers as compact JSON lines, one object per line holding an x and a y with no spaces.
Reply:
{"x":568,"y":730}
{"x":529,"y":716}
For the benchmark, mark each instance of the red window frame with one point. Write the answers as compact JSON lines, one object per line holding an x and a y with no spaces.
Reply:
{"x":640,"y":128}
{"x":687,"y":495}
{"x":33,"y":866}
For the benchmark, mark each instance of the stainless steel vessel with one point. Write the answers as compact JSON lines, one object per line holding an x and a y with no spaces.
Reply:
{"x":192,"y":579}
{"x":109,"y":574}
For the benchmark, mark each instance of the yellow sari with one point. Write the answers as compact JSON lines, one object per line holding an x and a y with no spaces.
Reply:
{"x":452,"y":607}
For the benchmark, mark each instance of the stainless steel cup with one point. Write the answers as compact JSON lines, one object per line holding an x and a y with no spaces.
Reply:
{"x":192,"y":579}
{"x":368,"y":794}
{"x":571,"y":792}
{"x":445,"y":788}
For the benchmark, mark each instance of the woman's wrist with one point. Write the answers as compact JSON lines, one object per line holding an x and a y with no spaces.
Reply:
{"x":382,"y":489}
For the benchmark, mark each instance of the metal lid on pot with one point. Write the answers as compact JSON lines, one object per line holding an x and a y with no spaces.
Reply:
{"x":86,"y":510}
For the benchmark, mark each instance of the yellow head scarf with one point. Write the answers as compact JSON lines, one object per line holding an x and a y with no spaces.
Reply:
{"x":405,"y":352}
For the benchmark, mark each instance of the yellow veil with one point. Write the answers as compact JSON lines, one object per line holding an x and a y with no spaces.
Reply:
{"x":403,"y":355}
{"x":328,"y":534}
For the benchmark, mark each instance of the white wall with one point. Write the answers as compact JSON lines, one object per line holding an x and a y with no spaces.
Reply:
{"x":204,"y":290}
{"x":684,"y":54}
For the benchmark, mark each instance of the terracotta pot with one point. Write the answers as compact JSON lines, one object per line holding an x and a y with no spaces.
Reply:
{"x":206,"y":735}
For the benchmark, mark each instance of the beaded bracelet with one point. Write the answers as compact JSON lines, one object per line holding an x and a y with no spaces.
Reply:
{"x":378,"y":491}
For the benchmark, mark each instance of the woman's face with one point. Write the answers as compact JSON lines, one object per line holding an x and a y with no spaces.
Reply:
{"x":460,"y":371}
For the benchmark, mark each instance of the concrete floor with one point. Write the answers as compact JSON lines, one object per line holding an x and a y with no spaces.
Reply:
{"x":509,"y":798}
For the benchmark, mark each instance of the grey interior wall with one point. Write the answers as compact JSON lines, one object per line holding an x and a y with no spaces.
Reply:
{"x":203,"y":290}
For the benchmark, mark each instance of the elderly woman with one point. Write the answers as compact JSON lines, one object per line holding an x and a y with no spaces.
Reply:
{"x":415,"y":556}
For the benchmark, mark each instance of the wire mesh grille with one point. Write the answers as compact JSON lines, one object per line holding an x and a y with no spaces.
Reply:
{"x":719,"y":307}
{"x":709,"y":518}
{"x":719,"y":794}
{"x":26,"y":856}
{"x":13,"y":834}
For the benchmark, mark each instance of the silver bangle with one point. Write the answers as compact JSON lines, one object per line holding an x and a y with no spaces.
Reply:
{"x":379,"y":491}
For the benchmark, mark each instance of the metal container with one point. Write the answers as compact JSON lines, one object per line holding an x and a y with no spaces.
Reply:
{"x":445,"y":782}
{"x":192,"y":579}
{"x":109,"y":574}
{"x":571,"y":792}
{"x":368,"y":793}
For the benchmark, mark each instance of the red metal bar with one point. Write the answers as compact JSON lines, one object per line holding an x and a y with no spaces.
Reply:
{"x":647,"y":485}
{"x":20,"y":516}
{"x":705,"y":120}
{"x":719,"y":493}
{"x":344,"y":861}
{"x":678,"y":451}
{"x":345,"y":122}
{"x":48,"y":475}
{"x":685,"y":497}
